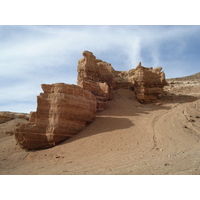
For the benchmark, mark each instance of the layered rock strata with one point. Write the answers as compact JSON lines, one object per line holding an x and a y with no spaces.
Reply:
{"x":96,"y":76}
{"x":148,"y":83}
{"x":63,"y":110}
{"x":100,"y":78}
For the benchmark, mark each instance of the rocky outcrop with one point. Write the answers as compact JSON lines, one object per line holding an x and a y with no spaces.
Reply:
{"x":96,"y":76}
{"x":63,"y":110}
{"x":148,"y":83}
{"x":100,"y":78}
{"x":7,"y":116}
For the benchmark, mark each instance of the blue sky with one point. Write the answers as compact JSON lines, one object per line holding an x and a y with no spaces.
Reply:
{"x":32,"y":55}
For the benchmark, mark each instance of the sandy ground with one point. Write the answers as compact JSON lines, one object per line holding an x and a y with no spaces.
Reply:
{"x":126,"y":138}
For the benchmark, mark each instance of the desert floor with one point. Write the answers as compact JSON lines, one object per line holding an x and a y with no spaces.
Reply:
{"x":126,"y":138}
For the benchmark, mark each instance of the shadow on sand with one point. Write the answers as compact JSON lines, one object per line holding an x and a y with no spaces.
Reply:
{"x":178,"y":99}
{"x":118,"y":111}
{"x":102,"y":125}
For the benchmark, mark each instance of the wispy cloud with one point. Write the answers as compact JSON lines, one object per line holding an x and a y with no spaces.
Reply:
{"x":32,"y":55}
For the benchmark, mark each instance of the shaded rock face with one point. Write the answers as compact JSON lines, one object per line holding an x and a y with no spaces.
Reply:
{"x":100,"y":78}
{"x":63,"y":110}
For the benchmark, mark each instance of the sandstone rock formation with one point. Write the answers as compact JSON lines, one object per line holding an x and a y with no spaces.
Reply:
{"x":96,"y":76}
{"x":148,"y":83}
{"x":100,"y":78}
{"x":63,"y":110}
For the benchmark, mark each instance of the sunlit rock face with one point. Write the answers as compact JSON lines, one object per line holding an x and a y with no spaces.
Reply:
{"x":96,"y":76}
{"x":100,"y":78}
{"x":148,"y":83}
{"x":63,"y":110}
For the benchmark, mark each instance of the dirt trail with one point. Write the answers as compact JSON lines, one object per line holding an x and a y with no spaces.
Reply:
{"x":126,"y":138}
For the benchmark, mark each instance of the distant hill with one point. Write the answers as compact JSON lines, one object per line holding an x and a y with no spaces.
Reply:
{"x":186,"y":78}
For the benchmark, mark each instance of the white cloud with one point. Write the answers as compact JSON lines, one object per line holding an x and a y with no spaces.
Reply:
{"x":33,"y":55}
